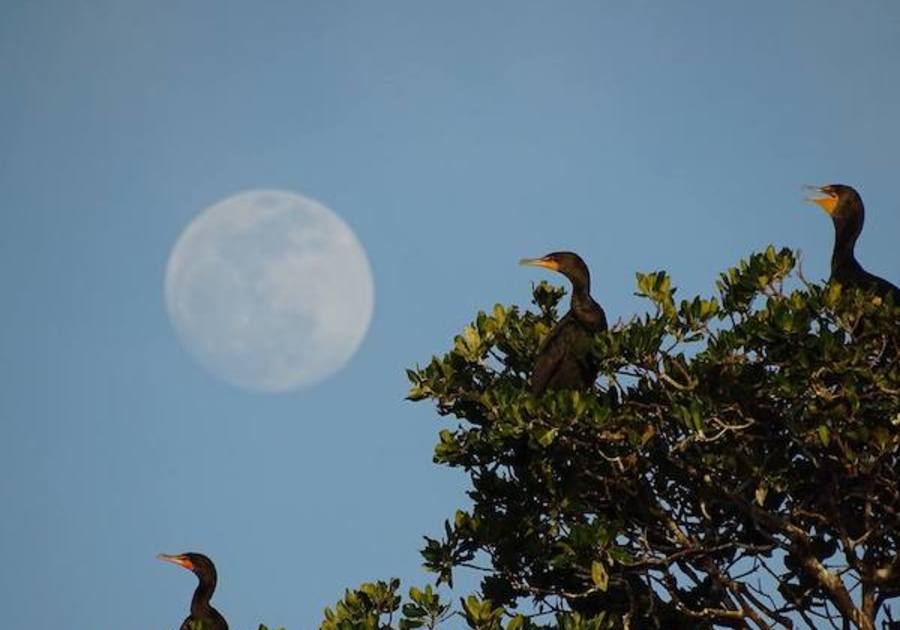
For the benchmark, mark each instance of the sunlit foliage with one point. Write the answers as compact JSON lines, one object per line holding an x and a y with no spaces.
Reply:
{"x":736,"y":465}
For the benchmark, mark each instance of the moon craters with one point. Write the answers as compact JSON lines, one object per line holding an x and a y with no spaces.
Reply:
{"x":269,"y":290}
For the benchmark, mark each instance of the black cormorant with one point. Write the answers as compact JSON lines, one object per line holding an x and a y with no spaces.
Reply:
{"x":845,"y":207}
{"x":201,"y":610}
{"x":564,"y":359}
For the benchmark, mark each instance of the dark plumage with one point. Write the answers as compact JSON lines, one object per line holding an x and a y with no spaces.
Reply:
{"x":845,"y":207}
{"x":564,"y":360}
{"x":201,"y":610}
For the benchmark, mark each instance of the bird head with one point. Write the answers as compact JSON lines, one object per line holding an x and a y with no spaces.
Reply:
{"x":567,"y":263}
{"x":839,"y":201}
{"x":195,"y":562}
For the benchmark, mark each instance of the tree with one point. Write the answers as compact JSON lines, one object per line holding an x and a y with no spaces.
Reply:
{"x":736,"y":466}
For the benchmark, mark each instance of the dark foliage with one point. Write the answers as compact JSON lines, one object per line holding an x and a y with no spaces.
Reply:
{"x":736,"y":465}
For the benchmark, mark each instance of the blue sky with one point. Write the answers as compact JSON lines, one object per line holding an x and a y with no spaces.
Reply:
{"x":454,"y":138}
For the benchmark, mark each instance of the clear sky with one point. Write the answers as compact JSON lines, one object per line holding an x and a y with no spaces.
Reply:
{"x":454,"y":138}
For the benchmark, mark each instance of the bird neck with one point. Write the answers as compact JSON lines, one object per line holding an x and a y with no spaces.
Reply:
{"x":581,"y":285}
{"x":581,"y":296}
{"x":846,"y":232}
{"x":202,"y":594}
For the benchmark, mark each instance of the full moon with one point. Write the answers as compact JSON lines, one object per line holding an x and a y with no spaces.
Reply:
{"x":269,"y":290}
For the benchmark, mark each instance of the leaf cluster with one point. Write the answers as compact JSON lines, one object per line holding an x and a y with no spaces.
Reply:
{"x":746,"y":434}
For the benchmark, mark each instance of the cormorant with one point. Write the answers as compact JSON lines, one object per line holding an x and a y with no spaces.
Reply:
{"x":845,"y":207}
{"x":201,"y":610}
{"x":564,"y":360}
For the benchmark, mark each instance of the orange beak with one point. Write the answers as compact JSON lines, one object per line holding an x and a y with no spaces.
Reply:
{"x":552,"y":265}
{"x":179,"y":560}
{"x":828,"y":202}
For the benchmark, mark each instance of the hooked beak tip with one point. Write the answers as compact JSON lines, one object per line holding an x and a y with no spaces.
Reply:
{"x":175,"y":559}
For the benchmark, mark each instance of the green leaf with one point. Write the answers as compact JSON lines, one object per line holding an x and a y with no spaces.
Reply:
{"x":599,"y":575}
{"x":548,"y":436}
{"x":620,"y":555}
{"x":516,"y":623}
{"x":824,"y":434}
{"x":882,"y":436}
{"x":412,"y":610}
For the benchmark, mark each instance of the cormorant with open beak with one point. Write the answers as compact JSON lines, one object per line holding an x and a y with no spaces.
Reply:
{"x":565,"y":359}
{"x":845,"y":207}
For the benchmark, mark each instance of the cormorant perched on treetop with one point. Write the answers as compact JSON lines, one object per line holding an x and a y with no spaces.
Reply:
{"x":202,"y":611}
{"x":564,"y":360}
{"x":845,"y":207}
